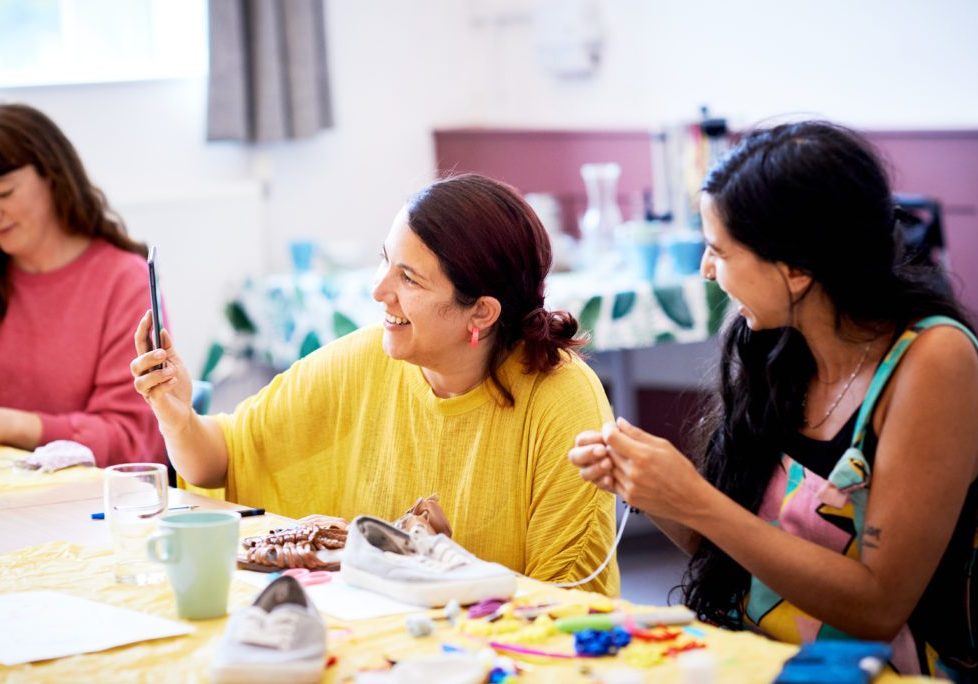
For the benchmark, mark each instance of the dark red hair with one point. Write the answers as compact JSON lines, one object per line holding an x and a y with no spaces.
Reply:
{"x":489,"y":242}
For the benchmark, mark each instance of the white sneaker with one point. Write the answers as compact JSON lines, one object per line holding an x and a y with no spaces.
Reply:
{"x":419,"y":567}
{"x":280,"y":637}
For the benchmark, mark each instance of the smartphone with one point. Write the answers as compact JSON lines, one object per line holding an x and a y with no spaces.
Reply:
{"x":156,"y":339}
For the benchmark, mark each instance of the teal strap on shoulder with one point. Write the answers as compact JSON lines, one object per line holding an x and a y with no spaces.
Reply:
{"x":851,"y":473}
{"x":932,"y":321}
{"x":890,"y":362}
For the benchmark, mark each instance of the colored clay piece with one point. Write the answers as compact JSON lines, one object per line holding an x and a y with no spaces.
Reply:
{"x":484,"y":608}
{"x":593,"y":643}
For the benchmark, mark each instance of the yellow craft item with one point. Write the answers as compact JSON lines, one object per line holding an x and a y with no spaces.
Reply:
{"x":568,"y":610}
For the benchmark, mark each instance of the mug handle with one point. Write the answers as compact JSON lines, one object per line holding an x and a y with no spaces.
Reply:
{"x":165,"y":540}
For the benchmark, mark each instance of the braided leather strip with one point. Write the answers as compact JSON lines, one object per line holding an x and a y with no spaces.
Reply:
{"x":297,"y":547}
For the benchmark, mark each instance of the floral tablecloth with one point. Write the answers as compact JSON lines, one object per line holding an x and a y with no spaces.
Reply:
{"x":280,"y":318}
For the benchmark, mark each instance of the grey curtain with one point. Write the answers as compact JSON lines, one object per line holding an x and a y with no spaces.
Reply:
{"x":268,"y":77}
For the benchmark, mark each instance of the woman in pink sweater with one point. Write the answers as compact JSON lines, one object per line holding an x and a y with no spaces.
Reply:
{"x":73,"y":285}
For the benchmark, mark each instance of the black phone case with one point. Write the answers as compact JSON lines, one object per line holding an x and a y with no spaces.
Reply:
{"x":156,"y":339}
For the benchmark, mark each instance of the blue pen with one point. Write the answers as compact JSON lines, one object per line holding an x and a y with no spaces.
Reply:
{"x":101,"y":516}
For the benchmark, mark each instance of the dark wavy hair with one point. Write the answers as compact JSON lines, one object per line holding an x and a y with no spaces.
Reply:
{"x":29,"y":138}
{"x":815,"y":196}
{"x":489,"y":242}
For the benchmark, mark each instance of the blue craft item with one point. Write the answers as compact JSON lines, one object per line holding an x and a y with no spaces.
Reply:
{"x":847,"y":662}
{"x":620,"y":637}
{"x":497,"y":675}
{"x":593,"y":642}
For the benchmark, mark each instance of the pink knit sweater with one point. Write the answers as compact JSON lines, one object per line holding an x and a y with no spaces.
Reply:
{"x":65,"y":347}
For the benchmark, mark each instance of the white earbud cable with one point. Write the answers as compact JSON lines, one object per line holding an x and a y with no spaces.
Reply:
{"x":611,"y":554}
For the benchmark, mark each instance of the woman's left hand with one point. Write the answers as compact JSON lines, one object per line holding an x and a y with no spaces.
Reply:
{"x":651,"y":474}
{"x":591,"y":456}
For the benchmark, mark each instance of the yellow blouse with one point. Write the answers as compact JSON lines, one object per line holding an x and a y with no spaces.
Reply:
{"x":348,"y":431}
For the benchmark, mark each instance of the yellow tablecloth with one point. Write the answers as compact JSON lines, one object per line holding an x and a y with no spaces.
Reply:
{"x":15,"y":479}
{"x":86,"y":572}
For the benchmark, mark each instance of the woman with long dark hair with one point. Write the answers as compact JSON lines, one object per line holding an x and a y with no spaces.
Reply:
{"x":72,"y":285}
{"x":469,"y":388}
{"x":834,"y":495}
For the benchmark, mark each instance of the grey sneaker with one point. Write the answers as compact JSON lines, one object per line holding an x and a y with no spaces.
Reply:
{"x":280,"y":637}
{"x":419,"y":567}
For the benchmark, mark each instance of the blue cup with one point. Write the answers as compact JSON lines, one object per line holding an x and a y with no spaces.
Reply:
{"x":302,"y":252}
{"x":686,"y":252}
{"x":645,"y":258}
{"x":639,"y":243}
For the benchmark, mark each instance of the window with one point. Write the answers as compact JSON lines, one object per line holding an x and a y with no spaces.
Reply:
{"x":49,"y":42}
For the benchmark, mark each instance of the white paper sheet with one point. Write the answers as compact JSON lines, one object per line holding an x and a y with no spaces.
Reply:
{"x":39,"y":625}
{"x":341,"y":601}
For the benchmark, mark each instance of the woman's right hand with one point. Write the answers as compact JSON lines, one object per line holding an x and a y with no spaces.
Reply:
{"x":167,"y":390}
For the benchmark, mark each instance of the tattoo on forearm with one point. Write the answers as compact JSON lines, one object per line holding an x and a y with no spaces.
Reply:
{"x":872,"y":536}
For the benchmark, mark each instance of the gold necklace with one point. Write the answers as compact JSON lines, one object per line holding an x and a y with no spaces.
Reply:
{"x":845,"y":388}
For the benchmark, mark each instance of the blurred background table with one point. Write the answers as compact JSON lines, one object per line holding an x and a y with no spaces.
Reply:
{"x":275,"y":320}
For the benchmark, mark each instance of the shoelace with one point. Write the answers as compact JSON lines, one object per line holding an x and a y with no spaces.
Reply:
{"x":611,"y":554}
{"x":436,"y":550}
{"x":272,"y":630}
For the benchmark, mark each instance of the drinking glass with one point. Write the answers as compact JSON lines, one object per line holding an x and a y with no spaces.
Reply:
{"x":135,"y":498}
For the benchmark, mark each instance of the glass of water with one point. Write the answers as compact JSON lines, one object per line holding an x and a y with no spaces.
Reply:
{"x":135,"y":498}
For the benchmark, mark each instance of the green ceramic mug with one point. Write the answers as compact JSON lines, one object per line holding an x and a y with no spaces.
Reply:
{"x":198,"y":550}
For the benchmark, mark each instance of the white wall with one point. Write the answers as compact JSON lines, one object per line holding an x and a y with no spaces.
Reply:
{"x":874,"y":63}
{"x":139,"y":139}
{"x":400,"y":69}
{"x":397,"y":70}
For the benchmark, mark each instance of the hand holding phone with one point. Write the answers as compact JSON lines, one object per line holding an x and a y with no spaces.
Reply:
{"x":156,"y":338}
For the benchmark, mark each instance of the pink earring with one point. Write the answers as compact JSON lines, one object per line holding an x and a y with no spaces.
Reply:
{"x":474,"y":340}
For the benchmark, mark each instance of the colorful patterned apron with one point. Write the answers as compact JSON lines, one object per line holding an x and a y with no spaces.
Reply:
{"x":831,"y":513}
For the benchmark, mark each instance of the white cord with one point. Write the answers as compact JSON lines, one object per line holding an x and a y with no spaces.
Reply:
{"x":611,"y":554}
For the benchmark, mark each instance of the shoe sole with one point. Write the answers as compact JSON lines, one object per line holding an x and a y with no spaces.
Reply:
{"x":431,"y":594}
{"x":252,"y":673}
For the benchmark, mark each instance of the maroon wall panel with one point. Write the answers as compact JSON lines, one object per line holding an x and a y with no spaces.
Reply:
{"x":939,"y":164}
{"x":549,"y":161}
{"x":942,"y":165}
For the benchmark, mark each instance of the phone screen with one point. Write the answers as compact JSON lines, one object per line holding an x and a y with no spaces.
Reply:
{"x":154,"y":301}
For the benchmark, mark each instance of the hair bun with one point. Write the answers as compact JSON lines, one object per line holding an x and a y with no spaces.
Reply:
{"x":545,"y":333}
{"x":541,"y":324}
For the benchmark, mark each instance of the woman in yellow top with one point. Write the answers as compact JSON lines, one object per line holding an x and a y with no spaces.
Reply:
{"x":470,"y":389}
